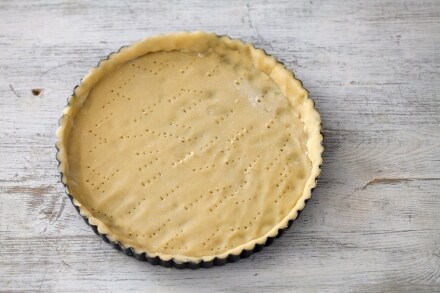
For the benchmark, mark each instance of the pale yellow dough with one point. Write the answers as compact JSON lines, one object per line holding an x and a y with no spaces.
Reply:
{"x":190,"y":146}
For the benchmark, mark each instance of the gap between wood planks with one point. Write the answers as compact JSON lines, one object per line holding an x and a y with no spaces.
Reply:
{"x":376,"y":181}
{"x":395,"y":180}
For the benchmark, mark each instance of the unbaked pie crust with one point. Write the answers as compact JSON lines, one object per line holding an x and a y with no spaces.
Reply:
{"x":189,"y":147}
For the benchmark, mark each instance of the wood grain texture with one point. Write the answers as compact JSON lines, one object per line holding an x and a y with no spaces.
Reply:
{"x":373,"y":68}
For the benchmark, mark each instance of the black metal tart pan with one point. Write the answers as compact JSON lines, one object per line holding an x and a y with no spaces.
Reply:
{"x":172,"y":263}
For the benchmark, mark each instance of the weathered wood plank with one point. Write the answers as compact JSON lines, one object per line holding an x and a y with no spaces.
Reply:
{"x":328,"y":260}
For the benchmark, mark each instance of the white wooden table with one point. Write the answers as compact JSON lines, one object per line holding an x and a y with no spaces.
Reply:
{"x":373,"y":68}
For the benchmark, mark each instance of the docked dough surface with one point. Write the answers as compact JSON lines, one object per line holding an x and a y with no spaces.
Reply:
{"x":188,"y":153}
